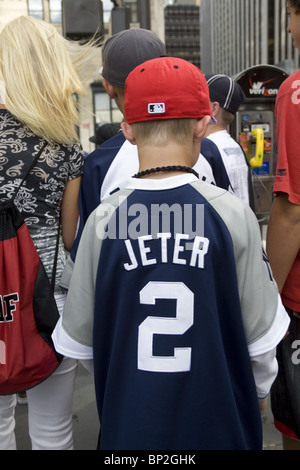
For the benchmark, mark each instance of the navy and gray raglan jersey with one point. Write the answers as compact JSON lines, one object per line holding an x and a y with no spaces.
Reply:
{"x":109,"y":167}
{"x":171,"y":295}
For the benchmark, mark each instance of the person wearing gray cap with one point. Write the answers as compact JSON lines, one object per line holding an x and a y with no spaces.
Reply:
{"x":226,"y":97}
{"x":125,"y":50}
{"x":110,"y":166}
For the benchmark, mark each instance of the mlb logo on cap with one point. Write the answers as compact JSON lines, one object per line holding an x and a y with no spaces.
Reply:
{"x":166,"y":88}
{"x":156,"y":108}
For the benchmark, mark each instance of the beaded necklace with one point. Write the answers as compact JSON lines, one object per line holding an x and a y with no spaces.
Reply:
{"x":186,"y":169}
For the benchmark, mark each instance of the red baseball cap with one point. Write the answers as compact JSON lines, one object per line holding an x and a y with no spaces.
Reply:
{"x":166,"y":88}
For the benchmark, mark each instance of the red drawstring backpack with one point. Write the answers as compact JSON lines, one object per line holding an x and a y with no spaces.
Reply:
{"x":28,"y":311}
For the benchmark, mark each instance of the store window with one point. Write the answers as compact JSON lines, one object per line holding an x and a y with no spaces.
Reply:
{"x":36,"y":9}
{"x":105,"y":109}
{"x":133,"y":8}
{"x":55,"y":11}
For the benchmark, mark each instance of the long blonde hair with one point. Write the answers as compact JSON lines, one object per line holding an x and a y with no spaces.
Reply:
{"x":39,"y":78}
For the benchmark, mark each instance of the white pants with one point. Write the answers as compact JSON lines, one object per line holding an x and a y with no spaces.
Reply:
{"x":7,"y":422}
{"x":49,"y":410}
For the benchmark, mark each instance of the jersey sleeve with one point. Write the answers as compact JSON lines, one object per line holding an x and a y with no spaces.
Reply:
{"x":264,"y":317}
{"x":73,"y":334}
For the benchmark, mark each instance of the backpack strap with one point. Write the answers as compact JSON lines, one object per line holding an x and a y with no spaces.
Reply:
{"x":58,"y":231}
{"x":55,"y":257}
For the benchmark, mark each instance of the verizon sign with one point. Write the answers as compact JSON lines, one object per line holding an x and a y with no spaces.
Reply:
{"x":262,"y":81}
{"x":260,"y":88}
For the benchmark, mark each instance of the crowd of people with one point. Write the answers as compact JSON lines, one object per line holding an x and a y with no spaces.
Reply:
{"x":165,"y":292}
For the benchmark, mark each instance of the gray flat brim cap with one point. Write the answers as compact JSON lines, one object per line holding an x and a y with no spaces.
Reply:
{"x":124,"y":51}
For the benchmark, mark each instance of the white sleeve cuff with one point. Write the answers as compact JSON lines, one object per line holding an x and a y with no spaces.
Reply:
{"x":276,"y":333}
{"x":67,"y":346}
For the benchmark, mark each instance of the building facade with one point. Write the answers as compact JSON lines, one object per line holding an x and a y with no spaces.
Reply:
{"x":182,"y":31}
{"x":238,"y":34}
{"x":95,"y":107}
{"x":224,"y":36}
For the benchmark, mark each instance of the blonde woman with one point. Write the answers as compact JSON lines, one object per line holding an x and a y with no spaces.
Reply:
{"x":39,"y":75}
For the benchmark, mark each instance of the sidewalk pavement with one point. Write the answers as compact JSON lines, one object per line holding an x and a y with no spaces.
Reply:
{"x":85,"y":419}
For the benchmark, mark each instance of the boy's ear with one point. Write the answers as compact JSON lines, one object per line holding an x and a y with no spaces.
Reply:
{"x":201,"y":127}
{"x":128,"y":132}
{"x":109,"y":88}
{"x":215,"y":106}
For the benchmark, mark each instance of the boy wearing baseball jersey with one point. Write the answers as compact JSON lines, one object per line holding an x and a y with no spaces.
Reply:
{"x":110,"y":165}
{"x":171,"y":294}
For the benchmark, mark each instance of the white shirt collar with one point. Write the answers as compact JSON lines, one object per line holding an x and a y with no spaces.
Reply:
{"x":164,"y":183}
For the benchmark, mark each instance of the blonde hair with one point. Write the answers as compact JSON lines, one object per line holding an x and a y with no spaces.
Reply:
{"x":159,"y":133}
{"x":39,"y":74}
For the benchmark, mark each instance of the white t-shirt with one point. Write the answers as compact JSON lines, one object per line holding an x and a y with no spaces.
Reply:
{"x":235,"y":163}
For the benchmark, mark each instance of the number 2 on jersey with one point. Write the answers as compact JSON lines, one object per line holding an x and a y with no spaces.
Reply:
{"x":184,"y":319}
